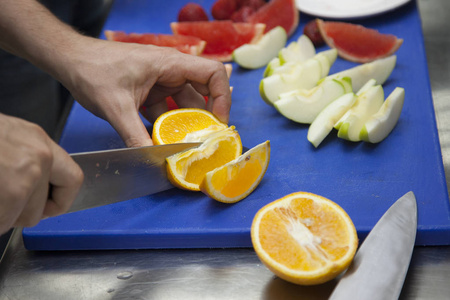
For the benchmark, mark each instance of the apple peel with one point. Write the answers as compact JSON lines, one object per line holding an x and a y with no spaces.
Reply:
{"x":381,"y":124}
{"x":255,"y":56}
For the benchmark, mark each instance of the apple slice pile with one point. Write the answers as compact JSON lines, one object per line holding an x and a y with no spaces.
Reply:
{"x":364,"y":116}
{"x":298,"y":84}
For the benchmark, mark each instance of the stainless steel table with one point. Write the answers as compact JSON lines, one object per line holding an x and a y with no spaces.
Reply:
{"x":223,"y":273}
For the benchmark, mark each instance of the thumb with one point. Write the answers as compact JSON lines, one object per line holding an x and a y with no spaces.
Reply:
{"x":131,"y":129}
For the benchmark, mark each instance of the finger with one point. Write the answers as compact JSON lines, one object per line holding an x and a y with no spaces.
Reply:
{"x":189,"y":97}
{"x":32,"y":212}
{"x":66,"y":178}
{"x":152,"y":111}
{"x":218,"y":86}
{"x":130,"y":127}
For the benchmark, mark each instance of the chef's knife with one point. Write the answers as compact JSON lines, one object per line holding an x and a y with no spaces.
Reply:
{"x":380,"y":265}
{"x":117,"y":175}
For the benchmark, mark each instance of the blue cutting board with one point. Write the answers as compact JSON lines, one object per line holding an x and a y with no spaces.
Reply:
{"x":364,"y":179}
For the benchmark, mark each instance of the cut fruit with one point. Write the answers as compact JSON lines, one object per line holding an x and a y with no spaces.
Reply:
{"x":221,"y":37}
{"x":367,"y":104}
{"x":237,"y":179}
{"x":379,"y":70}
{"x":254,"y":56}
{"x":380,"y":125}
{"x":304,"y":238}
{"x":324,"y":122}
{"x":275,"y":13}
{"x":186,"y":44}
{"x":356,"y":42}
{"x":187,"y":169}
{"x":303,"y":106}
{"x":185,"y":125}
{"x":297,"y":51}
{"x":294,"y":76}
{"x":274,"y":63}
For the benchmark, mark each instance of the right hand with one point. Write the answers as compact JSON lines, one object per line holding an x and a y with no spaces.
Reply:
{"x":29,"y":163}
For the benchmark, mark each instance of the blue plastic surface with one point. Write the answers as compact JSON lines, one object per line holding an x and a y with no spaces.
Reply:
{"x":364,"y":179}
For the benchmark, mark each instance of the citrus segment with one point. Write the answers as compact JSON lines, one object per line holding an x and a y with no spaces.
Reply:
{"x":358,"y":43}
{"x":221,"y":37}
{"x":187,"y":169}
{"x":304,"y":238}
{"x":237,"y":179}
{"x":275,"y":13}
{"x":186,"y":44}
{"x":185,"y":125}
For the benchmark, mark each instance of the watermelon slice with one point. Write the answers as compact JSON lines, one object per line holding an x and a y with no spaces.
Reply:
{"x":275,"y":13}
{"x":186,"y":44}
{"x":357,"y":43}
{"x":221,"y":37}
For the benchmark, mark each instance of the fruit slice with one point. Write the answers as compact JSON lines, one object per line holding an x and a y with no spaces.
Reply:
{"x":186,"y":44}
{"x":297,"y":51}
{"x":254,"y":56}
{"x":185,"y":125}
{"x":237,"y":179}
{"x":304,"y":238}
{"x":378,"y":127}
{"x":379,"y":70}
{"x":295,"y":76}
{"x":186,"y":170}
{"x":367,"y":104}
{"x":222,"y":37}
{"x":303,"y":106}
{"x":275,"y":13}
{"x":325,"y":120}
{"x":356,"y":42}
{"x":273,"y":63}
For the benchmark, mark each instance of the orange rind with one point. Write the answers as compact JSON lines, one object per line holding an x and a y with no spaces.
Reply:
{"x":238,"y":178}
{"x":304,"y":238}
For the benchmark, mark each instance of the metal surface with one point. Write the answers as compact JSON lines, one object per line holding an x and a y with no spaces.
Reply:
{"x":223,"y":273}
{"x":380,"y":265}
{"x":112,"y":176}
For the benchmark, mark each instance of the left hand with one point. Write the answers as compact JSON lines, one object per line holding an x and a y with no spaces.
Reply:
{"x":114,"y":80}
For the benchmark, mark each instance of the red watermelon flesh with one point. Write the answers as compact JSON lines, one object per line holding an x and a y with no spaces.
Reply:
{"x":186,"y":44}
{"x":275,"y":13}
{"x":222,"y":37}
{"x":358,"y":43}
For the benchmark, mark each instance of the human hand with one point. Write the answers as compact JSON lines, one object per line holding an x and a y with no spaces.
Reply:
{"x":114,"y":80}
{"x":29,"y":162}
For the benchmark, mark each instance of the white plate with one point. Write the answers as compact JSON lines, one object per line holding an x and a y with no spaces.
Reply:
{"x":347,"y":9}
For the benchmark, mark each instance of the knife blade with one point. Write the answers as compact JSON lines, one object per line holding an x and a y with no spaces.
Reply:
{"x":380,"y":265}
{"x":112,"y":176}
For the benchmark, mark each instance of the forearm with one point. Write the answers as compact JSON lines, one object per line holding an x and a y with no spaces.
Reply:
{"x":32,"y":32}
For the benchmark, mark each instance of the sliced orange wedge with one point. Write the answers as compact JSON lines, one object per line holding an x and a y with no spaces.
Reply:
{"x":237,"y":179}
{"x":304,"y":238}
{"x":185,"y":125}
{"x":187,"y":169}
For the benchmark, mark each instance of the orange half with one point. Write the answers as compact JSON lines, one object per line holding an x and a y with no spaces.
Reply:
{"x":185,"y":125}
{"x":304,"y":238}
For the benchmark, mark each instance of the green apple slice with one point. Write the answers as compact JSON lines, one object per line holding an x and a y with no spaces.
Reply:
{"x":303,"y":76}
{"x":298,"y":51}
{"x":367,"y":104}
{"x":379,"y":70}
{"x":274,"y":63}
{"x":254,"y":56}
{"x":325,"y":120}
{"x":303,"y":106}
{"x":363,"y":89}
{"x":380,"y":125}
{"x":366,"y":86}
